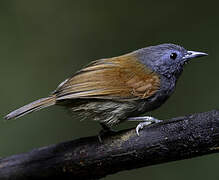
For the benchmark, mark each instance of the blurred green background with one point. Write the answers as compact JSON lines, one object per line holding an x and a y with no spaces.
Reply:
{"x":45,"y":41}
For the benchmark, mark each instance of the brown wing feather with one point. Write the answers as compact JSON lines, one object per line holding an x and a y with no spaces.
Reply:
{"x":114,"y":78}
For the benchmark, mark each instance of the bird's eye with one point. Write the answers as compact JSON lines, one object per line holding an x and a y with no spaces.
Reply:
{"x":173,"y":56}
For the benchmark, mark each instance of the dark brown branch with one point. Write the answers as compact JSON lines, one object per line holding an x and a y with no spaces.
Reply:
{"x":87,"y":158}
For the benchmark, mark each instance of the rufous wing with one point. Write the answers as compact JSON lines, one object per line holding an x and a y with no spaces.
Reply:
{"x":118,"y":78}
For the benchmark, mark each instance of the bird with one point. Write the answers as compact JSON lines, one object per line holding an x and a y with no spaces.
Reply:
{"x":118,"y":89}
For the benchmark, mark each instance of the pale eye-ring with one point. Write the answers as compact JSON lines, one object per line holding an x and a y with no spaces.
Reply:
{"x":173,"y":56}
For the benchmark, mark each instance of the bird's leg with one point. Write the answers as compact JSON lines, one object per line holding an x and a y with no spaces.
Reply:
{"x":147,"y":120}
{"x":106,"y":130}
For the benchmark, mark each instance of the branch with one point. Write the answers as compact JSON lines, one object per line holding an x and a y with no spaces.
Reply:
{"x":87,"y":158}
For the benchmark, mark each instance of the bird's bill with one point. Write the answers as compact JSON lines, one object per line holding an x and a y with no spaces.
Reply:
{"x":194,"y":54}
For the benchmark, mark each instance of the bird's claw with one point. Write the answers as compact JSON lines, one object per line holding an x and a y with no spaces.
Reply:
{"x":148,"y":120}
{"x":141,"y":126}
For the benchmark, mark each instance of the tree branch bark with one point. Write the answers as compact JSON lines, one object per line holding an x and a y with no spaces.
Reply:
{"x":87,"y":158}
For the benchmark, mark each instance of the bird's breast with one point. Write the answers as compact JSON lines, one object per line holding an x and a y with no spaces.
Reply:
{"x":167,"y":87}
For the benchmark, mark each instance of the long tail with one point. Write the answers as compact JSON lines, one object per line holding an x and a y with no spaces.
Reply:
{"x":34,"y":106}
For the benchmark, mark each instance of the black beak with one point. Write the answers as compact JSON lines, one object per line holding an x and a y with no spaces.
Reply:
{"x":193,"y":54}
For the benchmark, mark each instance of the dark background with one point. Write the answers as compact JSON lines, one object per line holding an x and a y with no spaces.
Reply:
{"x":45,"y":41}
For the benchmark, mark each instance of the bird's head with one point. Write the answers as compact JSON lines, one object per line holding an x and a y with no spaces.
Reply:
{"x":166,"y":59}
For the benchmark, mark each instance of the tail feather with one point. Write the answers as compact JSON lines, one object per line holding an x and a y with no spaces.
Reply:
{"x":34,"y":106}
